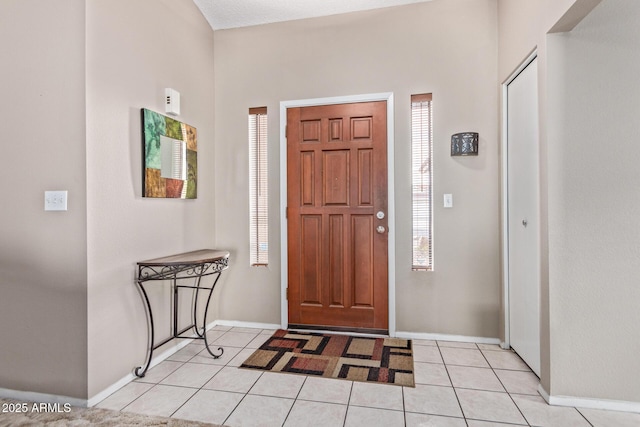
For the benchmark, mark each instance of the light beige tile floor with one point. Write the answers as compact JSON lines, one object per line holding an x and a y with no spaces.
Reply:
{"x":457,"y":385}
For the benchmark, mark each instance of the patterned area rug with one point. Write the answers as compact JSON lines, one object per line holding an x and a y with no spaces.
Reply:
{"x":382,"y":360}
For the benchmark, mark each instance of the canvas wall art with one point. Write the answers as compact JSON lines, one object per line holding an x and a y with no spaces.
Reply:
{"x":170,"y":157}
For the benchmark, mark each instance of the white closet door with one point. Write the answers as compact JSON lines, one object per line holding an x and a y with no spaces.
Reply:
{"x":524,"y":215}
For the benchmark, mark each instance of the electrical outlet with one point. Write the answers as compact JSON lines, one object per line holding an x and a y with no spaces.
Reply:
{"x":55,"y":200}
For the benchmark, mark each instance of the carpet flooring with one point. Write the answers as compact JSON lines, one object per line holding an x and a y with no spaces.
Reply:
{"x":355,"y":358}
{"x":22,"y":414}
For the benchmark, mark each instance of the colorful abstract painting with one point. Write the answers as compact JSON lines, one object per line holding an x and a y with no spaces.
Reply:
{"x":170,"y":157}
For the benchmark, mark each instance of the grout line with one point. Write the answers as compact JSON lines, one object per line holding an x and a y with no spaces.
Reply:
{"x":185,"y":402}
{"x":499,"y":423}
{"x":348,"y":404}
{"x":452,"y":386}
{"x":234,"y":409}
{"x":141,"y":380}
{"x":404,"y":409}
{"x":246,"y":393}
{"x":505,"y":388}
{"x":295,"y":399}
{"x":138,"y":397}
{"x":220,"y":368}
{"x":583,"y":416}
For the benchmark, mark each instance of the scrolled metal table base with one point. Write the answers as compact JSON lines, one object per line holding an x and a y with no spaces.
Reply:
{"x":190,"y":265}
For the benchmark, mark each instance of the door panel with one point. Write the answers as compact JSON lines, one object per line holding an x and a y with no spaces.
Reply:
{"x":336,"y":264}
{"x":335,"y":178}
{"x":523,"y":216}
{"x":362,"y":243}
{"x":337,"y":181}
{"x":306,"y":178}
{"x":365,"y":177}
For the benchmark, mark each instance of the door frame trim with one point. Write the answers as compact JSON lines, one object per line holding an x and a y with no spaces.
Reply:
{"x":504,"y":147}
{"x":284,"y":105}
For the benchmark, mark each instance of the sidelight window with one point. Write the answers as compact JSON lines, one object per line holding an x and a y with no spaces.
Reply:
{"x":422,"y":181}
{"x":258,"y":187}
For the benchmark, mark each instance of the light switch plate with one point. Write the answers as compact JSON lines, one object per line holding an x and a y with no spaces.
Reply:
{"x":448,"y":200}
{"x":55,"y":200}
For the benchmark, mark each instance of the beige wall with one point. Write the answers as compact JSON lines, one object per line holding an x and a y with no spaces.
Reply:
{"x":524,"y":24}
{"x":588,"y":198}
{"x":594,"y":205}
{"x":72,"y":320}
{"x":134,"y":51}
{"x":404,"y":50}
{"x":43,"y":270}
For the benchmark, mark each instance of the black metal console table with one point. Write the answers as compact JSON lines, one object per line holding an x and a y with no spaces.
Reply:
{"x":189,"y":265}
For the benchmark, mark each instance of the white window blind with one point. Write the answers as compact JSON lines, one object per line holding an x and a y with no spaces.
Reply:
{"x":258,"y":187}
{"x":422,"y":180}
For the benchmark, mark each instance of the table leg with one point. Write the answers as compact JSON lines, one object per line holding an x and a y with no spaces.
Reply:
{"x":176,"y":302}
{"x":150,"y":353}
{"x":195,"y":311}
{"x":206,"y":310}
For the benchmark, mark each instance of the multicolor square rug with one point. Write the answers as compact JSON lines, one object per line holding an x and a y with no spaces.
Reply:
{"x":382,"y":360}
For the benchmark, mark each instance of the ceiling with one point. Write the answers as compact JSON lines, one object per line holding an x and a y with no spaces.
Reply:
{"x":224,"y":14}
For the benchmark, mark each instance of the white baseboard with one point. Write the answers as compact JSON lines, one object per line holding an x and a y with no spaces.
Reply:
{"x":94,"y":400}
{"x":131,"y":376}
{"x":589,"y":403}
{"x":112,"y":389}
{"x":399,"y":334}
{"x":169,"y":352}
{"x":32,"y":396}
{"x":241,"y":324}
{"x":446,"y":337}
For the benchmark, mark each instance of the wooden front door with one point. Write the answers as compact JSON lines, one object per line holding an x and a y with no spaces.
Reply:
{"x":337,"y":216}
